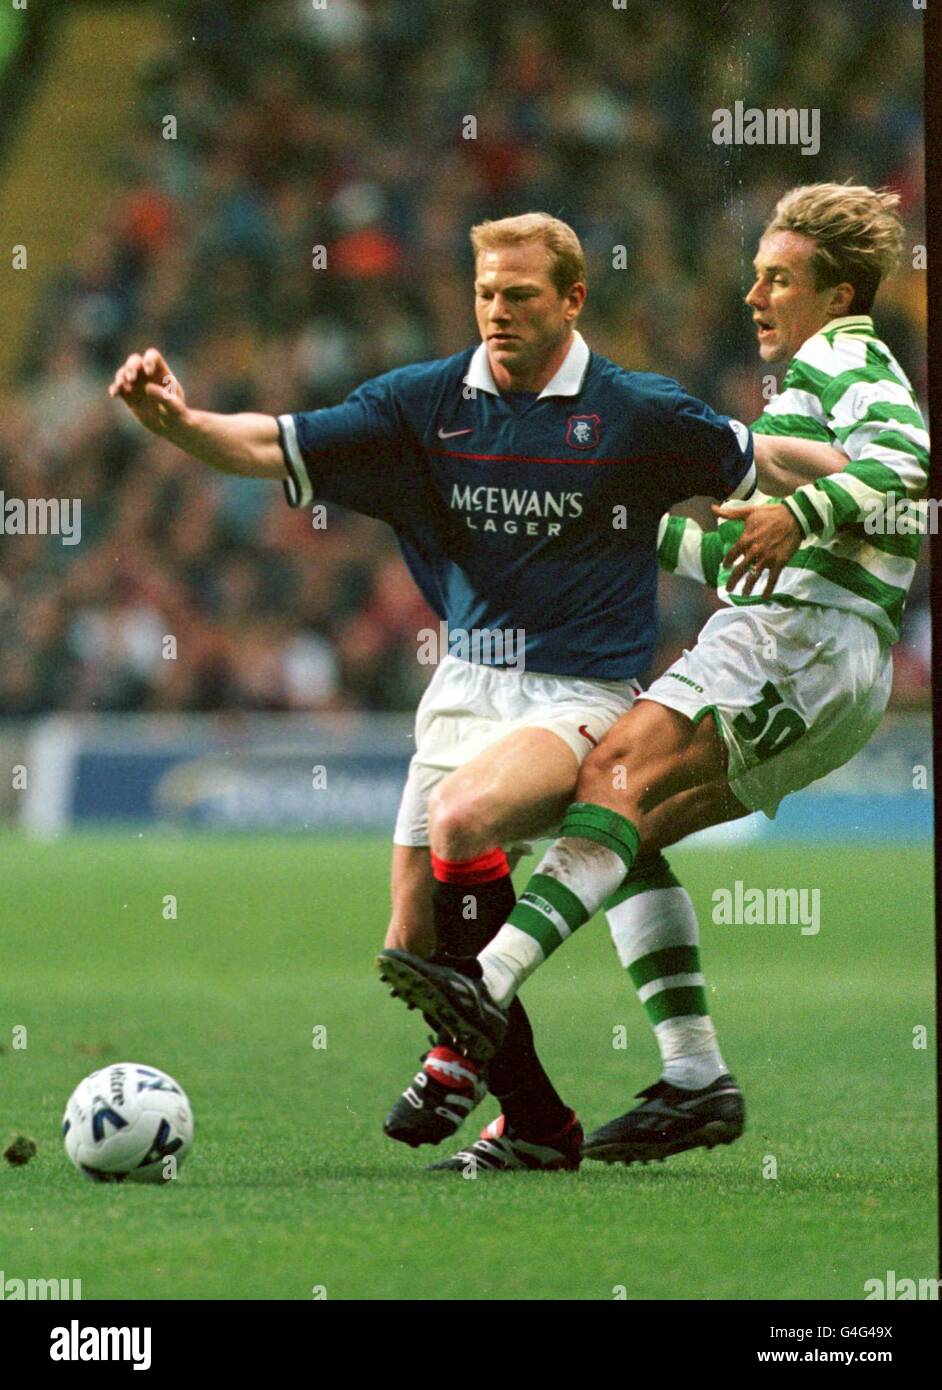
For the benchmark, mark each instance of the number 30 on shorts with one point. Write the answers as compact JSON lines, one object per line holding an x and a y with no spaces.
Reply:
{"x":770,"y":732}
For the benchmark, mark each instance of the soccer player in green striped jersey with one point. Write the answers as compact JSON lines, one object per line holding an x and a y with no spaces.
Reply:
{"x":782,"y":686}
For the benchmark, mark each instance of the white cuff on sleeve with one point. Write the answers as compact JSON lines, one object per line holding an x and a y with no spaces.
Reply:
{"x":746,"y":488}
{"x":299,"y":489}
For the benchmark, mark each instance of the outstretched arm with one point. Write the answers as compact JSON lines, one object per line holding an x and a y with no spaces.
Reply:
{"x":683,"y":547}
{"x":879,"y":424}
{"x":769,"y":539}
{"x":783,"y":463}
{"x":245,"y":444}
{"x":786,"y":462}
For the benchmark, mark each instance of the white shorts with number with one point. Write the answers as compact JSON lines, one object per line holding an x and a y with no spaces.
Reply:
{"x":796,"y":692}
{"x":467,"y":708}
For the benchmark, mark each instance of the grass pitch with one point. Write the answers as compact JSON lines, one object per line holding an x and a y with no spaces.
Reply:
{"x":291,"y":1190}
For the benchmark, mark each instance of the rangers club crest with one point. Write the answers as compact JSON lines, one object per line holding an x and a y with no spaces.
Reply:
{"x":583,"y":431}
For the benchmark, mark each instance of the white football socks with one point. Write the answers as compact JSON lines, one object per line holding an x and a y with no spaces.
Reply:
{"x":656,"y":935}
{"x":572,"y":880}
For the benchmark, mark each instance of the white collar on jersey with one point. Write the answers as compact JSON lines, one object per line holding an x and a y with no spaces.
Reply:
{"x":567,"y":381}
{"x":850,"y":320}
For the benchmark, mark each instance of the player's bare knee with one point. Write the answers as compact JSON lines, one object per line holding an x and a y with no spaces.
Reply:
{"x":459,"y":824}
{"x":605,"y":775}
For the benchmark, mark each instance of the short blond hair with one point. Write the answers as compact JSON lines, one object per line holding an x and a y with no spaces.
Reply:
{"x":565,"y":248}
{"x":857,"y":233}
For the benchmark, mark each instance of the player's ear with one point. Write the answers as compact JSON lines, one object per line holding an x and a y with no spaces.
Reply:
{"x":576,"y":296}
{"x":842,"y":297}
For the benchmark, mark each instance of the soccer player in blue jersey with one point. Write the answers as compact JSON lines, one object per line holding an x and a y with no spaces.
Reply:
{"x":781,"y":687}
{"x":525,"y":480}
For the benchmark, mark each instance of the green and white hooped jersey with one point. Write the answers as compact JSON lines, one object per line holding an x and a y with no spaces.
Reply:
{"x":842,"y":387}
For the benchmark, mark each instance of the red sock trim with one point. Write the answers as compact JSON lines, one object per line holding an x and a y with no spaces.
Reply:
{"x":484,"y":869}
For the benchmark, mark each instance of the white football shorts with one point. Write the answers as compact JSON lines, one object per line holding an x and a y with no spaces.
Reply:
{"x":795,"y":693}
{"x":469,"y":707}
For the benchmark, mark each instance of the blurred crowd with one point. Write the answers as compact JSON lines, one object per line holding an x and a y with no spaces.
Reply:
{"x":344,"y":126}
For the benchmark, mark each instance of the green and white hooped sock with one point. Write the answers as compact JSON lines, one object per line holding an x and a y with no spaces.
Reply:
{"x":571,"y":883}
{"x":656,"y":934}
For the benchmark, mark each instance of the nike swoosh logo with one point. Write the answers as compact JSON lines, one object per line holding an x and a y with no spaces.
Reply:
{"x":453,"y":434}
{"x":585,"y":734}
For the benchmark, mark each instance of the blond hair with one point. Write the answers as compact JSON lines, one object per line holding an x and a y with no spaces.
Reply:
{"x":857,"y":233}
{"x":568,"y":260}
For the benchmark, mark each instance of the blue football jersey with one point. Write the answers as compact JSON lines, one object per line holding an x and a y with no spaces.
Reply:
{"x":537,"y":514}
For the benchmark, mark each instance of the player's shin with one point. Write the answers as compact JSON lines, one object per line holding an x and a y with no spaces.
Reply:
{"x":528,"y":1099}
{"x":656,"y":934}
{"x":472,"y":899}
{"x":572,"y":881}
